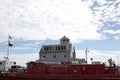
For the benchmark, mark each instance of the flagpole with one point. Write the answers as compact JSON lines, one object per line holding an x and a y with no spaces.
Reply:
{"x":9,"y":45}
{"x":86,"y":54}
{"x":8,"y":49}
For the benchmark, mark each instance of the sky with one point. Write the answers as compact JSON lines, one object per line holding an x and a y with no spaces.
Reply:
{"x":92,"y":24}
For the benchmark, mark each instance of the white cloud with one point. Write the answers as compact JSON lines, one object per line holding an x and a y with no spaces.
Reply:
{"x":112,"y":31}
{"x":105,"y":12}
{"x":51,"y":19}
{"x":48,"y":19}
{"x":116,"y":37}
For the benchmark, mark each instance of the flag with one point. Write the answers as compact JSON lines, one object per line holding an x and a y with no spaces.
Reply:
{"x":10,"y":37}
{"x":10,"y":44}
{"x":9,"y":41}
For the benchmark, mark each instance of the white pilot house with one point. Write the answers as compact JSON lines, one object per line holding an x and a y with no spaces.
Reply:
{"x":58,"y":52}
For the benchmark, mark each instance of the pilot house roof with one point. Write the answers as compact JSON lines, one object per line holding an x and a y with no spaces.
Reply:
{"x":64,"y":37}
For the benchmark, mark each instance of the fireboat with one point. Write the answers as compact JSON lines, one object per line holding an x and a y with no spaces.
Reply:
{"x":59,"y":62}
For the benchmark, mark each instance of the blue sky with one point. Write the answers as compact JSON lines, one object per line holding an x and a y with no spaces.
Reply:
{"x":92,"y":24}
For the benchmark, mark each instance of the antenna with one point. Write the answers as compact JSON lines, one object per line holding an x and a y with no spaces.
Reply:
{"x":74,"y":54}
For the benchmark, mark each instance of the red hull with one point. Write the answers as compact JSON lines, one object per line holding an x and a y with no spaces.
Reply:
{"x":60,"y":77}
{"x":63,"y":71}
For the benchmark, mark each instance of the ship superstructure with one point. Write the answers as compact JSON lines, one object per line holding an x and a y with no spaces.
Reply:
{"x":5,"y":65}
{"x":57,"y":52}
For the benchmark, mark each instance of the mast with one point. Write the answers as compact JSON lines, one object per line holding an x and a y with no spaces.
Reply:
{"x":86,"y":51}
{"x":9,"y":46}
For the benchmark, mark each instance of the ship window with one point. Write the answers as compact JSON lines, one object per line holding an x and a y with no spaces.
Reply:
{"x":61,"y":47}
{"x":57,"y":47}
{"x":54,"y":56}
{"x":64,"y":47}
{"x":63,"y":41}
{"x":47,"y":48}
{"x":13,"y":66}
{"x":67,"y":40}
{"x":0,"y":63}
{"x":65,"y":56}
{"x":44,"y":48}
{"x":44,"y":56}
{"x":14,"y":62}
